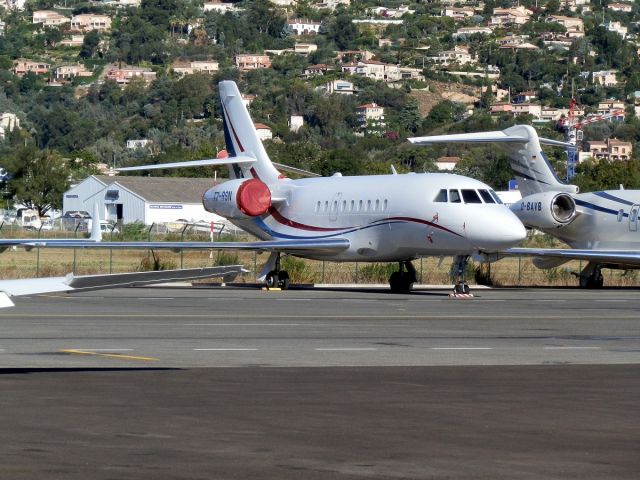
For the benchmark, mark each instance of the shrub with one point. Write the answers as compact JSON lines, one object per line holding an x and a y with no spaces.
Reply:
{"x":299,"y":271}
{"x":153,"y":262}
{"x":376,"y":272}
{"x":227,"y":258}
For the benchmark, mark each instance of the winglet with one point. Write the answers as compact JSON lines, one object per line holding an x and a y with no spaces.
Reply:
{"x":96,"y":233}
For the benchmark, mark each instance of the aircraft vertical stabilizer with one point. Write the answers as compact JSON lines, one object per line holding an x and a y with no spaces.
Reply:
{"x":528,"y":162}
{"x":241,"y":137}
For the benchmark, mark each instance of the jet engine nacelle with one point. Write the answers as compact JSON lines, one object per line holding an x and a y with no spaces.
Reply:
{"x":545,"y":210}
{"x":238,"y":199}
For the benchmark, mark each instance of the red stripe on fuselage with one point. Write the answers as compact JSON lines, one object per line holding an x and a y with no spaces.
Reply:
{"x":278,"y":217}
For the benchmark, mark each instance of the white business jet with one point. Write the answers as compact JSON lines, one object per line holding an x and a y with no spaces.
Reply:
{"x":381,"y":218}
{"x":601,"y":227}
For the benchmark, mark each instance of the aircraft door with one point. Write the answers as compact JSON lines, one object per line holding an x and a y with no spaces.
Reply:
{"x":633,"y":218}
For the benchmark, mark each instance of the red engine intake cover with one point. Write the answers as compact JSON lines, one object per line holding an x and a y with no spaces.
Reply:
{"x":253,"y":197}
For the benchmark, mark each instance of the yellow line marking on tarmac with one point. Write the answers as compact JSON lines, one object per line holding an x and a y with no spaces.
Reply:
{"x":120,"y":356}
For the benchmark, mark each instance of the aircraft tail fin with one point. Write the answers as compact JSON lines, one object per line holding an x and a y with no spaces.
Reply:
{"x":241,"y":137}
{"x":528,"y":162}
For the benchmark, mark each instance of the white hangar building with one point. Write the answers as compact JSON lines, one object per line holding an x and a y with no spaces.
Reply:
{"x":141,"y":199}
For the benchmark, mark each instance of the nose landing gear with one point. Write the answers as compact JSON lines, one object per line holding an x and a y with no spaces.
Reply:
{"x":458,"y":273}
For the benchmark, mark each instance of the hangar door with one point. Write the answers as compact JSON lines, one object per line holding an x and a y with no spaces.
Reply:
{"x":114,"y":212}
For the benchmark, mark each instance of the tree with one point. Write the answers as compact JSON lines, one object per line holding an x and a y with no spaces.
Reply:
{"x":414,"y":159}
{"x":409,"y":116}
{"x":52,"y":36}
{"x":90,"y":44}
{"x":603,"y":175}
{"x":40,"y":178}
{"x":442,"y":114}
{"x":343,"y":32}
{"x":262,"y":14}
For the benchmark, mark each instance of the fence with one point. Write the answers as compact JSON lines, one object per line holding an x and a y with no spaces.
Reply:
{"x":54,"y":262}
{"x":44,"y":262}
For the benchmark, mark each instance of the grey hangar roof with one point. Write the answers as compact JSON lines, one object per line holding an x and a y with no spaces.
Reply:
{"x":162,"y":189}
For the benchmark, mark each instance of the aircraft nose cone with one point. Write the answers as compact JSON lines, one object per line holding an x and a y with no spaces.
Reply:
{"x":503,"y":231}
{"x":514,"y":232}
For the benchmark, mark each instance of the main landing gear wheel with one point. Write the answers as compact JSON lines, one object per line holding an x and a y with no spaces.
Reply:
{"x":592,"y":281}
{"x":402,"y":281}
{"x":591,"y":276}
{"x":283,"y":280}
{"x":277,"y":278}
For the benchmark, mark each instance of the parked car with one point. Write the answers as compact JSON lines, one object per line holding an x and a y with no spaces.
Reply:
{"x":108,"y":227}
{"x":47,"y":224}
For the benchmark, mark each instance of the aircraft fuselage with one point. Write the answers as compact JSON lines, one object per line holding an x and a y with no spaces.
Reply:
{"x":387,"y":217}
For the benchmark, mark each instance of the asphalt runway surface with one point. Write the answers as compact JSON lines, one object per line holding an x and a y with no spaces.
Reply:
{"x":321,"y":383}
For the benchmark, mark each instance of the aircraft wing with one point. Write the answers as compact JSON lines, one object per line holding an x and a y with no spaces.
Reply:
{"x":298,"y":246}
{"x":33,"y":286}
{"x":618,"y":257}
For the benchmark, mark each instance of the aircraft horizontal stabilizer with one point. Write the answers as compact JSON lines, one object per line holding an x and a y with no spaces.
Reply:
{"x":299,"y":171}
{"x":500,"y":136}
{"x":485,"y":137}
{"x":192,"y":163}
{"x":480,"y":137}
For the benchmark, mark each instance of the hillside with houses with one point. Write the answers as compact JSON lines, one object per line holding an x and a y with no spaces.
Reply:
{"x":333,"y":85}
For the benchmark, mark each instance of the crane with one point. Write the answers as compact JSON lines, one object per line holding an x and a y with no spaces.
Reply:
{"x":573,"y":132}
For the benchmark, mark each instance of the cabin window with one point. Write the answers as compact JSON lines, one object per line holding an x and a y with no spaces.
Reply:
{"x":496,"y":197}
{"x":486,"y":196}
{"x":344,"y":205}
{"x":335,"y":205}
{"x":360,"y":206}
{"x":441,"y":197}
{"x":385,"y":204}
{"x":377,"y":205}
{"x":353,"y":206}
{"x":454,"y":196}
{"x":368,"y":205}
{"x":318,"y":206}
{"x":326,"y":206}
{"x":620,"y":215}
{"x":470,"y":196}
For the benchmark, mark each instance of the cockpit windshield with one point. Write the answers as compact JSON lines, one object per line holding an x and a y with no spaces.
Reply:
{"x":467,"y":195}
{"x":470,"y":196}
{"x":486,"y":196}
